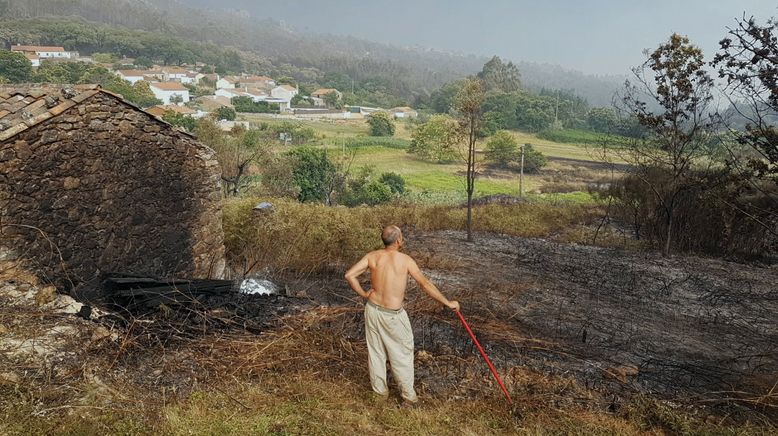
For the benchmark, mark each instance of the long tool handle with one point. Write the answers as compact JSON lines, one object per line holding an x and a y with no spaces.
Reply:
{"x":486,"y":358}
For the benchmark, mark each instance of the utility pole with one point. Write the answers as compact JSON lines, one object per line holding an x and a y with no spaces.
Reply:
{"x":521,"y":174}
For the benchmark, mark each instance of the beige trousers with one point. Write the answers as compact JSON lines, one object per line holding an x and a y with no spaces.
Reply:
{"x":389,"y":335}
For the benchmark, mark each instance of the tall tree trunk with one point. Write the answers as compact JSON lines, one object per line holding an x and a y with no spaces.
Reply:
{"x":668,"y":236}
{"x":470,"y":179}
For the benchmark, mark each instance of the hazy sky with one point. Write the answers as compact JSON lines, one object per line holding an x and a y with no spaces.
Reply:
{"x":594,"y":36}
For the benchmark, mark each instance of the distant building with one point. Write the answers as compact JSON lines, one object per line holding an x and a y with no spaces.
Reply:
{"x":34,"y":59}
{"x":160,"y":110}
{"x":227,"y":82}
{"x":286,"y":92}
{"x":317,"y":97}
{"x":262,"y":82}
{"x":165,"y":91}
{"x":45,"y":52}
{"x":210,"y":103}
{"x":132,"y":76}
{"x":403,"y":112}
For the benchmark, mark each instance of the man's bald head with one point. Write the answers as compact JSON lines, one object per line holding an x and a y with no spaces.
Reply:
{"x":390,"y":235}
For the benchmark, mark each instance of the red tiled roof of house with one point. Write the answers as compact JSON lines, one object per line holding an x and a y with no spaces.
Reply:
{"x":132,"y":73}
{"x":321,"y":92}
{"x":169,"y":86}
{"x":34,"y":48}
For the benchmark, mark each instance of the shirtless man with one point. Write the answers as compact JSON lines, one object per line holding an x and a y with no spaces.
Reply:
{"x":387,"y":328}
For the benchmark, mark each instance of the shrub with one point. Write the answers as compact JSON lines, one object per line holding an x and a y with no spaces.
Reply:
{"x":501,"y":149}
{"x":313,"y":238}
{"x":394,"y":181}
{"x":437,"y":139}
{"x":313,"y":173}
{"x":225,"y":113}
{"x":381,"y":124}
{"x":533,"y":159}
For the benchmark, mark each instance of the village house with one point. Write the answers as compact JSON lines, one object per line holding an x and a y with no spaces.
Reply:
{"x":34,"y":59}
{"x":161,"y":110}
{"x":226,"y":82}
{"x":286,"y":92}
{"x":210,"y":103}
{"x":45,"y":52}
{"x":403,"y":112}
{"x":131,"y":76}
{"x":317,"y":97}
{"x":112,"y":187}
{"x":261,"y":82}
{"x":168,"y":91}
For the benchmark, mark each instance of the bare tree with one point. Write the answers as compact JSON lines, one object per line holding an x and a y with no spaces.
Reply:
{"x":670,"y":97}
{"x":469,"y":104}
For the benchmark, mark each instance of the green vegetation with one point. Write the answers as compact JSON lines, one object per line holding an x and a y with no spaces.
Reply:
{"x":180,"y":120}
{"x":225,"y":113}
{"x":246,"y":104}
{"x":313,"y":173}
{"x":381,"y":124}
{"x":376,"y":141}
{"x":437,"y":140}
{"x":14,"y":67}
{"x":579,"y":136}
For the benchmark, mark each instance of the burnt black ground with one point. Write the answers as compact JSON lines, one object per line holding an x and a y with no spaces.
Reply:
{"x":685,"y":328}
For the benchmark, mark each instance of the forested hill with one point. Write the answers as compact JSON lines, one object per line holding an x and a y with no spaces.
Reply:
{"x":279,"y":50}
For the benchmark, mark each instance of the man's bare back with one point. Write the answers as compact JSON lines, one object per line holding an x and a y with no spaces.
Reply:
{"x":389,"y":271}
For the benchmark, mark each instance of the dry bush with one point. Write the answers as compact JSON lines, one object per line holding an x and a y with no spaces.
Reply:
{"x":312,"y":238}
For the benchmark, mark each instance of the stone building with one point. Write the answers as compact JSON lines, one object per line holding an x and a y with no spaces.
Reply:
{"x":91,"y":184}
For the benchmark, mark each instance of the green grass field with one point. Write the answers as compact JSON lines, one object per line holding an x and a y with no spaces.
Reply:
{"x":434,"y":182}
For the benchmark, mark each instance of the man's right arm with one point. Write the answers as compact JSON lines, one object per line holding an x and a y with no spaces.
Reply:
{"x":354,"y":272}
{"x":429,"y":287}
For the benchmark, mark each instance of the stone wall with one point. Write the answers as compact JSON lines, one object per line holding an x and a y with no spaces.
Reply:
{"x":104,"y":187}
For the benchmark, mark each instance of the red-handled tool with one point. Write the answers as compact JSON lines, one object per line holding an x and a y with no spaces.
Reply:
{"x":486,"y":358}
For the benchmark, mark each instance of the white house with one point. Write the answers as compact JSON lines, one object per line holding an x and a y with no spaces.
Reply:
{"x":45,"y":52}
{"x":226,"y":82}
{"x":285,"y":92}
{"x":131,"y":76}
{"x":175,"y":74}
{"x":284,"y":104}
{"x":262,"y":82}
{"x":403,"y":112}
{"x":34,"y":59}
{"x":164,"y":91}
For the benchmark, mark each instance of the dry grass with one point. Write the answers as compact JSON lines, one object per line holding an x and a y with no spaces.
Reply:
{"x":309,"y":238}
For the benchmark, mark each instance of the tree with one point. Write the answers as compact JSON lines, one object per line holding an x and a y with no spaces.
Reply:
{"x":332,"y":99}
{"x":748,"y":60}
{"x":601,"y":119}
{"x":235,"y":152}
{"x":180,"y":120}
{"x":469,"y":105}
{"x":436,"y":140}
{"x":679,"y":129}
{"x":442,"y":100}
{"x":381,"y":124}
{"x":143,"y":62}
{"x":313,"y":173}
{"x":225,"y":113}
{"x":499,"y":76}
{"x":502,"y":149}
{"x":15,"y":67}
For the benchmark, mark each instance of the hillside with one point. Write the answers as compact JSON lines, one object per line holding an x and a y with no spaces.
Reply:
{"x":401,"y":71}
